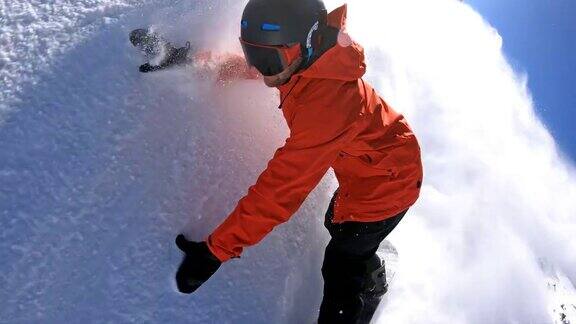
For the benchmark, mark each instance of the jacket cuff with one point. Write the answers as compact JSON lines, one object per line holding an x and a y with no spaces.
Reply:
{"x":218,"y":252}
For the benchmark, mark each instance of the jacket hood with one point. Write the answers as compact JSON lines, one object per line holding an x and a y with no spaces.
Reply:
{"x":344,"y":61}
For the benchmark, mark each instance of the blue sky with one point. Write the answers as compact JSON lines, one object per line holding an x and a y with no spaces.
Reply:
{"x":539,"y":38}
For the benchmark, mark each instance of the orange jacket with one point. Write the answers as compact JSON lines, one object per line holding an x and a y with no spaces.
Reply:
{"x":336,"y":120}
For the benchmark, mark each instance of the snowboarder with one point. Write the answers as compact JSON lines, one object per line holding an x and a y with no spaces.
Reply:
{"x":162,"y":55}
{"x":156,"y":48}
{"x":336,"y":120}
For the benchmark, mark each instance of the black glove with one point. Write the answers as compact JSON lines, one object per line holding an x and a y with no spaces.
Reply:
{"x":198,"y":265}
{"x":145,"y":68}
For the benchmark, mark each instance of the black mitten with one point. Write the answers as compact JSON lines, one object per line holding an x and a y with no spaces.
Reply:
{"x":198,"y":265}
{"x":144,"y":68}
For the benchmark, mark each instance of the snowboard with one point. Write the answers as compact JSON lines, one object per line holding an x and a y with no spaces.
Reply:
{"x":379,"y":280}
{"x":160,"y":53}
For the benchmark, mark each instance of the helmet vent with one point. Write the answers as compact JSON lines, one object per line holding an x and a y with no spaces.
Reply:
{"x":270,"y":27}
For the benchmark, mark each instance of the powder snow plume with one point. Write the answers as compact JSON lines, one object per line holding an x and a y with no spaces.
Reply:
{"x":101,"y":167}
{"x":493,"y":237}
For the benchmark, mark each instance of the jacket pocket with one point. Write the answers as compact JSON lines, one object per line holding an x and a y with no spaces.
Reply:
{"x":373,"y":164}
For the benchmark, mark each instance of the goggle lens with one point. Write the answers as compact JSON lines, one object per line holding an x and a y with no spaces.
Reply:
{"x":269,"y":60}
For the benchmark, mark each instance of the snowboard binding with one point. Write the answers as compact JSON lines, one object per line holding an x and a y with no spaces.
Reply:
{"x":156,"y":48}
{"x":376,"y":285}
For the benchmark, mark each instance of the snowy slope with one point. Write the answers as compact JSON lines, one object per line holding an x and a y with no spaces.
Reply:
{"x":34,"y":32}
{"x":100,"y":168}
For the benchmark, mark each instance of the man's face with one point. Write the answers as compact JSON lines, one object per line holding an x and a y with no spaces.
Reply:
{"x":282,"y":77}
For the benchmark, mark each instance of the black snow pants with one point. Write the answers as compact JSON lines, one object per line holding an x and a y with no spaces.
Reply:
{"x":347,"y":263}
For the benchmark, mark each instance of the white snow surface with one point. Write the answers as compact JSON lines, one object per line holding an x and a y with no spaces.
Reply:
{"x":101,"y":167}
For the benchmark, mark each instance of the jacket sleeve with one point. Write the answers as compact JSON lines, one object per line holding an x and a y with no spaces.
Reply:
{"x":319,"y":131}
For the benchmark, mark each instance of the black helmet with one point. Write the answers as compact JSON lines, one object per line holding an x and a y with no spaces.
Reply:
{"x":267,"y":24}
{"x":138,"y":35}
{"x":280,"y":22}
{"x":147,"y":41}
